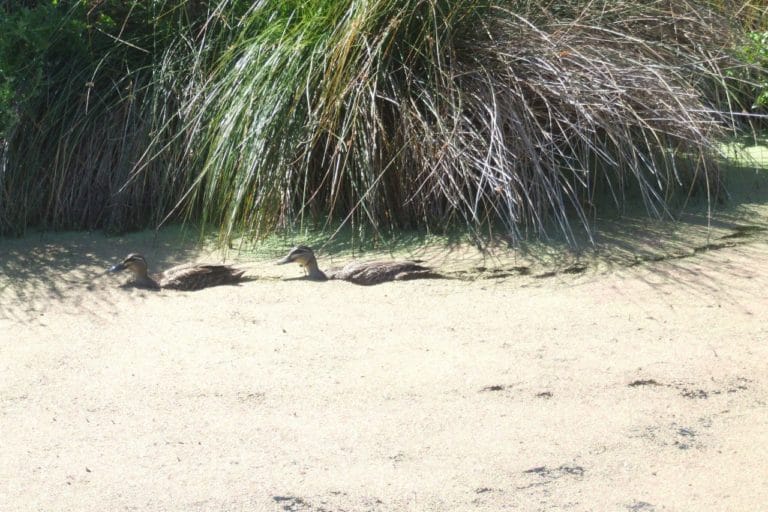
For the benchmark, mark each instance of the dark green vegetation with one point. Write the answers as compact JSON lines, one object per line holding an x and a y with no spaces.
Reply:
{"x":511,"y":116}
{"x":755,"y":52}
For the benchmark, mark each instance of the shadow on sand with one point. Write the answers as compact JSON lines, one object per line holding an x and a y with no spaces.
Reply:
{"x":70,"y":269}
{"x":46,"y":269}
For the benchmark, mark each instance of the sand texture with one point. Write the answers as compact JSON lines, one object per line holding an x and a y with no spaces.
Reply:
{"x":605,"y":385}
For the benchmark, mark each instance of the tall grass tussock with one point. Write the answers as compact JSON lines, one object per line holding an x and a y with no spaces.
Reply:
{"x":513,"y":116}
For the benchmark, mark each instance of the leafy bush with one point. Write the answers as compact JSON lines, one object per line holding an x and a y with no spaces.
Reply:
{"x":111,"y":76}
{"x":34,"y":40}
{"x":756,"y":54}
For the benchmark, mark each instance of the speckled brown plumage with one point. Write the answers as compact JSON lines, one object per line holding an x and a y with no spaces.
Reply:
{"x":363,"y":273}
{"x":183,"y":277}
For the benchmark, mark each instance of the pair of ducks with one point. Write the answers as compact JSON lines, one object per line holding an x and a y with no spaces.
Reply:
{"x":196,"y":277}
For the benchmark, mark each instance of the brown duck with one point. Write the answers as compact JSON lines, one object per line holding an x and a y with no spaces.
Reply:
{"x":183,"y":277}
{"x":364,"y":273}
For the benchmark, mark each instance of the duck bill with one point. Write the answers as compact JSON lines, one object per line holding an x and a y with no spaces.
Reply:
{"x":116,"y":268}
{"x":285,"y":260}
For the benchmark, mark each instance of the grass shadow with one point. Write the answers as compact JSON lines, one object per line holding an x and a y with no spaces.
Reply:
{"x":43,"y":269}
{"x":619,"y":238}
{"x":46,"y":268}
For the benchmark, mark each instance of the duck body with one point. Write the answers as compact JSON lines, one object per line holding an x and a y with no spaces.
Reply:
{"x":362,"y":273}
{"x":375,"y":272}
{"x":182,"y":277}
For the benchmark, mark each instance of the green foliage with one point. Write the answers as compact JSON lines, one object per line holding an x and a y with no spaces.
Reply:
{"x":113,"y":74}
{"x":34,"y":39}
{"x":756,"y":54}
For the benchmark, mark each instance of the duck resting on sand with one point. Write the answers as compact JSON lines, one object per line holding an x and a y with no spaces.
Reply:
{"x":183,"y":277}
{"x":364,"y":273}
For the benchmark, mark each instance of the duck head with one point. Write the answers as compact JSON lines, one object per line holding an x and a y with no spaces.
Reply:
{"x":300,"y":254}
{"x":134,"y":262}
{"x":305,"y":257}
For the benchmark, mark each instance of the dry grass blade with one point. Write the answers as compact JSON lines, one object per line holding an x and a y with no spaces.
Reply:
{"x":386,"y":114}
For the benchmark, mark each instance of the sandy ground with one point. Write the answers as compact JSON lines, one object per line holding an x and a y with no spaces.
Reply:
{"x":615,"y":384}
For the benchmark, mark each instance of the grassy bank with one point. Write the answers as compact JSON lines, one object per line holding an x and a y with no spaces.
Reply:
{"x":514,"y":118}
